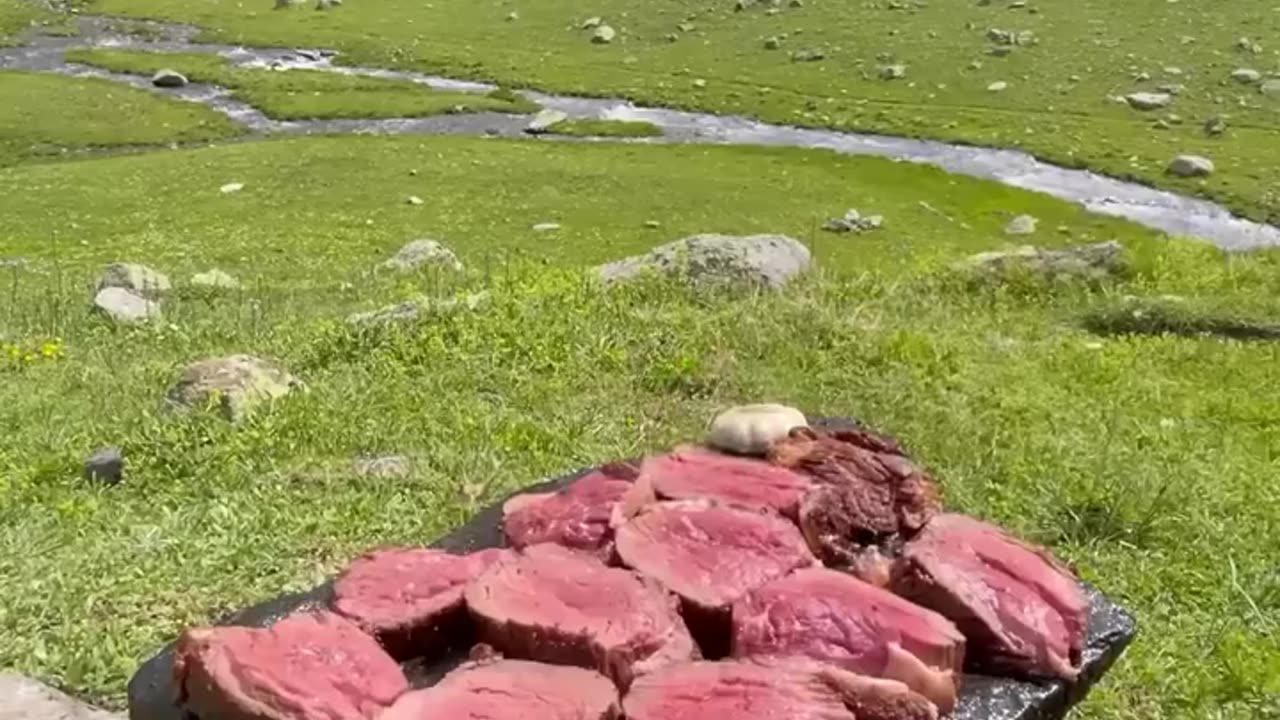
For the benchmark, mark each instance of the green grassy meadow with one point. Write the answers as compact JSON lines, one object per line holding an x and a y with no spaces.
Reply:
{"x":1131,"y":425}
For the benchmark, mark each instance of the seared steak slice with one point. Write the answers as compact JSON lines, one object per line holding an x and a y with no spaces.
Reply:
{"x":410,"y":599}
{"x":1021,"y":610}
{"x":834,"y":618}
{"x":694,"y":473}
{"x":710,"y":555}
{"x":577,"y":516}
{"x":869,"y":496}
{"x":310,"y":666}
{"x":511,"y":690}
{"x":562,"y":606}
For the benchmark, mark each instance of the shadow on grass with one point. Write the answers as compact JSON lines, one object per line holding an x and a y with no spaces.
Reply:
{"x":1149,"y":319}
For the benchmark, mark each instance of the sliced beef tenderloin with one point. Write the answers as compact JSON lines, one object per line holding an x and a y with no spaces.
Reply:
{"x":310,"y":666}
{"x":834,"y":618}
{"x":711,"y":555}
{"x":868,"y":496}
{"x":775,"y":690}
{"x":511,"y":690}
{"x":577,"y":516}
{"x":410,"y":599}
{"x":565,"y":607}
{"x":694,"y":473}
{"x":1021,"y":611}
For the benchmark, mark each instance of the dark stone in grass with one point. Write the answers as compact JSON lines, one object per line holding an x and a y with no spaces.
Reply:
{"x":105,"y":465}
{"x":1111,"y":629}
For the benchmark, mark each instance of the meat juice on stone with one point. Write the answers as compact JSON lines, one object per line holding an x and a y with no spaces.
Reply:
{"x":832,"y":617}
{"x":309,"y":666}
{"x":1021,"y":611}
{"x":710,"y":555}
{"x":868,"y":497}
{"x":562,"y":606}
{"x":511,"y":690}
{"x":410,"y":599}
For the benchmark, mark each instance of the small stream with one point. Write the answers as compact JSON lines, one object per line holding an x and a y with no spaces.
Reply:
{"x":1158,"y":209}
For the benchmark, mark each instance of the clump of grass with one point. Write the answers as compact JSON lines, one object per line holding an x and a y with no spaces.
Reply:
{"x":305,"y":94}
{"x":606,"y":128}
{"x":1171,"y":317}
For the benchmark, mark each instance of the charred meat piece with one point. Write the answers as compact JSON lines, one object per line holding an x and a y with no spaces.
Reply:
{"x":577,"y":516}
{"x":565,"y":607}
{"x":410,"y":599}
{"x":1021,"y":611}
{"x":511,"y":690}
{"x":711,"y":555}
{"x":310,"y":666}
{"x":834,"y":618}
{"x":868,"y":498}
{"x":694,"y":473}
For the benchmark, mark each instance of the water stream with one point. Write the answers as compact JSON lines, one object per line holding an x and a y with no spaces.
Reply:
{"x":1162,"y":210}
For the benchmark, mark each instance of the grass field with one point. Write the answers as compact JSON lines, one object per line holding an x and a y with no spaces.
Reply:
{"x":1141,"y":459}
{"x":304,"y":94}
{"x":50,"y":116}
{"x":1056,"y":103}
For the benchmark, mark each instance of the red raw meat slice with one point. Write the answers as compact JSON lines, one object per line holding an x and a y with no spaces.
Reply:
{"x":310,"y":666}
{"x":695,"y":473}
{"x":834,"y":618}
{"x":565,"y":607}
{"x":410,"y":599}
{"x":511,"y":690}
{"x":577,"y":516}
{"x":1020,"y":609}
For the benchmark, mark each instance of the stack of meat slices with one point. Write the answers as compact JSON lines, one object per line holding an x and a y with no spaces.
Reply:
{"x":815,"y":578}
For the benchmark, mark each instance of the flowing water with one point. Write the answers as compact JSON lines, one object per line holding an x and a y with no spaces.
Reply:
{"x":1169,"y":212}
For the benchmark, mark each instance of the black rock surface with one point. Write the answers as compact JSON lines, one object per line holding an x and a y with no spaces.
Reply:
{"x":1111,"y":629}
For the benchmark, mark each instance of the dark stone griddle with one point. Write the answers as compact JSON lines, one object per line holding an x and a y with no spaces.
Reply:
{"x":1111,"y":628}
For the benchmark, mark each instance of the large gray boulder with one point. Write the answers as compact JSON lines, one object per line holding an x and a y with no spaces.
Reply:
{"x":123,"y":306}
{"x":768,"y":260}
{"x":1148,"y":100}
{"x":421,"y":254}
{"x":235,"y":385}
{"x":1191,"y":166}
{"x":1096,"y":261}
{"x":138,"y":279}
{"x":22,"y":698}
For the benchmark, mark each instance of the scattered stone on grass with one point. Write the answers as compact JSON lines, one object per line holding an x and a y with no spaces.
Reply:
{"x":603,"y":35}
{"x":853,"y":222}
{"x":998,"y":86}
{"x":1270,"y":87}
{"x":233,"y":187}
{"x":411,"y":311}
{"x":542,"y":122}
{"x":513,"y":16}
{"x":546,"y":227}
{"x":1191,"y":166}
{"x":327,"y":4}
{"x":708,"y":259}
{"x":382,"y":467}
{"x":1246,"y":76}
{"x":105,"y":465}
{"x":652,"y":224}
{"x":413,"y":200}
{"x":123,"y":306}
{"x":893,"y":72}
{"x":168,"y":78}
{"x":235,"y":385}
{"x":422,"y":253}
{"x":137,"y":279}
{"x":23,"y":698}
{"x":1021,"y":225}
{"x":1171,"y":88}
{"x":592,"y":23}
{"x":1096,"y":261}
{"x":808,"y":55}
{"x":772,"y":43}
{"x":215,"y":280}
{"x":1215,"y":126}
{"x":1148,"y":100}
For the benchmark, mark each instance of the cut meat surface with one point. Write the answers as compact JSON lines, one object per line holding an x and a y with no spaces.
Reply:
{"x":311,"y":666}
{"x":577,"y":516}
{"x":511,"y":690}
{"x":737,"y":690}
{"x":710,"y":556}
{"x":868,"y":497}
{"x":1020,"y":609}
{"x":698,"y":473}
{"x":834,"y":618}
{"x":410,"y":599}
{"x":565,"y":607}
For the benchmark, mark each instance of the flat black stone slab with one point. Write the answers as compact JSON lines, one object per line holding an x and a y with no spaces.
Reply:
{"x":1111,"y":629}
